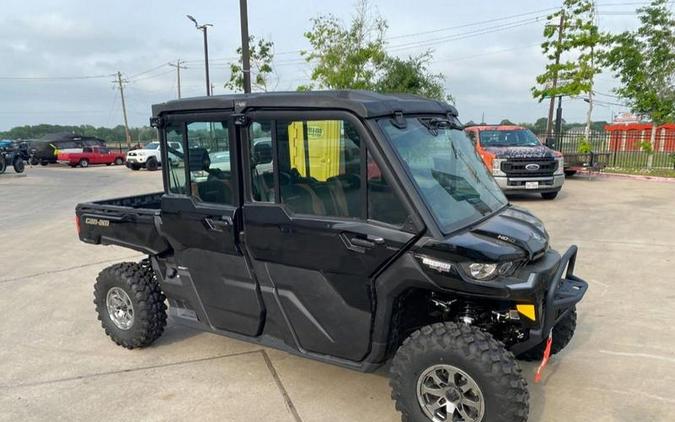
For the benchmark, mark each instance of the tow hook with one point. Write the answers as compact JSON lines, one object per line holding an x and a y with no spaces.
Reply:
{"x":544,"y":360}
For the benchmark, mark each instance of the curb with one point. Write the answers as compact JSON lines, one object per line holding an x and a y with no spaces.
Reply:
{"x":638,"y":177}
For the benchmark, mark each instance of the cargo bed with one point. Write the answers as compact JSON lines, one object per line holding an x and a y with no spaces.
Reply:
{"x":131,"y":222}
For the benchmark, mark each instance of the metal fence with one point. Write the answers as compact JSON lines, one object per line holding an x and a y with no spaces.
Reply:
{"x":624,"y":150}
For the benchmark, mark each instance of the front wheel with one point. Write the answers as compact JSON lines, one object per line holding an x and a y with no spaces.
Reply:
{"x":3,"y":164}
{"x":130,"y":304}
{"x":19,"y":165}
{"x":84,"y":163}
{"x":119,"y":161}
{"x":152,"y":164}
{"x":456,"y":372}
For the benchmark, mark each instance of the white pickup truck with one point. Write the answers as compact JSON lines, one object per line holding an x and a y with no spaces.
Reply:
{"x":150,"y":156}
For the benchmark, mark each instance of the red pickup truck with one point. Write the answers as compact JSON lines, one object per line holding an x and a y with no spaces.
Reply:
{"x":91,"y":155}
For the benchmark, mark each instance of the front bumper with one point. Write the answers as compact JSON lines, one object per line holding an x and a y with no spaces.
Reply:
{"x":564,"y":291}
{"x":137,"y":159}
{"x":519,"y":184}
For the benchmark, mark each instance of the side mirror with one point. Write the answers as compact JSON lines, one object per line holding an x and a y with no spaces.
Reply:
{"x":262,"y":153}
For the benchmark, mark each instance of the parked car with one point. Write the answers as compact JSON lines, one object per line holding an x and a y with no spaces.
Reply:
{"x":403,"y":249}
{"x":150,"y":156}
{"x":46,"y":150}
{"x":11,"y":155}
{"x":91,"y":155}
{"x":518,"y":161}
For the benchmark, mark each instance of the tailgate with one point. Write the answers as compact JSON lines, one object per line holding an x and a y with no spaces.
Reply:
{"x":123,"y":226}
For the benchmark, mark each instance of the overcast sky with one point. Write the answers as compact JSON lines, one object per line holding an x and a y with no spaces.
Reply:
{"x":487,"y":72}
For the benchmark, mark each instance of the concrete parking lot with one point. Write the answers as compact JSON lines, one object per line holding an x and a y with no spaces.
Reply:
{"x":57,"y":364}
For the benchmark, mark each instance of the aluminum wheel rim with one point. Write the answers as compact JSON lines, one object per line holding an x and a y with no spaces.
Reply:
{"x":120,"y":309}
{"x":448,"y":394}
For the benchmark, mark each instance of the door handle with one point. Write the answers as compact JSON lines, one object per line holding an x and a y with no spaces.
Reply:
{"x":367,"y":242}
{"x":364,"y":243}
{"x":217,"y":225}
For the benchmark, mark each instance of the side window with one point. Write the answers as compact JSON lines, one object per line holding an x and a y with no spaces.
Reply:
{"x":319,"y":165}
{"x":209,"y":162}
{"x":87,"y":149}
{"x":176,"y":164}
{"x":262,"y":170}
{"x":104,"y":150}
{"x":383,"y":204}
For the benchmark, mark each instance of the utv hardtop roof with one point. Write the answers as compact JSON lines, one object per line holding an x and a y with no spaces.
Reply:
{"x":364,"y":104}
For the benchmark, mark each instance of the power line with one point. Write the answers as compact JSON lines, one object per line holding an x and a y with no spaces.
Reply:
{"x":464,"y":35}
{"x":53,"y":78}
{"x":503,"y":18}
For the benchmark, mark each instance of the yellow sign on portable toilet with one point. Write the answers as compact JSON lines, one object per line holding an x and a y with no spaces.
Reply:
{"x":321,"y":147}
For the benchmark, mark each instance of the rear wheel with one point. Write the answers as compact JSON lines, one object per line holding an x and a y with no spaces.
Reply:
{"x":119,"y":161}
{"x":44,"y":163}
{"x":34,"y":161}
{"x":3,"y":164}
{"x":130,"y":304}
{"x":19,"y":165}
{"x":456,"y":372}
{"x":84,"y":163}
{"x":562,"y":334}
{"x":152,"y":164}
{"x":549,"y":195}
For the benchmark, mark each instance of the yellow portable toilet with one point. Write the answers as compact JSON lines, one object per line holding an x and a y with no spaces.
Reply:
{"x":318,"y":142}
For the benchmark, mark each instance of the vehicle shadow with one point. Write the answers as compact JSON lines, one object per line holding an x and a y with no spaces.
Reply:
{"x":175,"y":333}
{"x":534,"y":197}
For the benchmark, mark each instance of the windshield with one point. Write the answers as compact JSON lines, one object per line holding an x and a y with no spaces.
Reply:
{"x":151,"y":145}
{"x":451,"y":178}
{"x":508,"y":138}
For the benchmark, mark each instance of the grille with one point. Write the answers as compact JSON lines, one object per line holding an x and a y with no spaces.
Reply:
{"x":518,"y":167}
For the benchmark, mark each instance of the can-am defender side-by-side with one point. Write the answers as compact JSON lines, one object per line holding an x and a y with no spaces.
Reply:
{"x":349,"y":227}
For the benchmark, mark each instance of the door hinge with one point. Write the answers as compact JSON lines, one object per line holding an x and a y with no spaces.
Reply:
{"x":240,"y":119}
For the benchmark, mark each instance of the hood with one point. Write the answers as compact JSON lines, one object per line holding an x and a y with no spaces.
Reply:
{"x":510,"y":235}
{"x":535,"y":151}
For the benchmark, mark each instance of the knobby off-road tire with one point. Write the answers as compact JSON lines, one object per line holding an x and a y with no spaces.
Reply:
{"x":19,"y":165}
{"x":3,"y":164}
{"x":142,"y":293}
{"x":563,"y":332}
{"x":477,"y":354}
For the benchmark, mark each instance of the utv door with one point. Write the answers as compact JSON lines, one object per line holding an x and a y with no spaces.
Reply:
{"x":201,"y":218}
{"x":320,"y":221}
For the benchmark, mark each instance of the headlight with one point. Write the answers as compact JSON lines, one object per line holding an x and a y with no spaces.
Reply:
{"x":497,"y":167}
{"x":484,"y":271}
{"x":561,"y":165}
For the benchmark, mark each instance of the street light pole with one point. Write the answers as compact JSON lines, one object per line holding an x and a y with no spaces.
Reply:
{"x":204,"y":29}
{"x":245,"y":55}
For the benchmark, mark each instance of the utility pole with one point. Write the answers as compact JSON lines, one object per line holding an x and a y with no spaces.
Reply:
{"x":245,"y":55}
{"x":178,"y":67}
{"x":121,"y":83}
{"x":558,"y":125}
{"x":549,"y":122}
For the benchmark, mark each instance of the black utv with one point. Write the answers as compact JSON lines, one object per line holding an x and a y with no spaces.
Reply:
{"x":349,"y":227}
{"x":11,"y":154}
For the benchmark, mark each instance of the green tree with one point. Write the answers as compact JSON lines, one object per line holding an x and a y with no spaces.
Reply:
{"x":354,"y":57}
{"x":412,"y":76}
{"x":644,"y":63}
{"x":571,"y":49}
{"x":261,"y":55}
{"x":347,"y":57}
{"x":506,"y":122}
